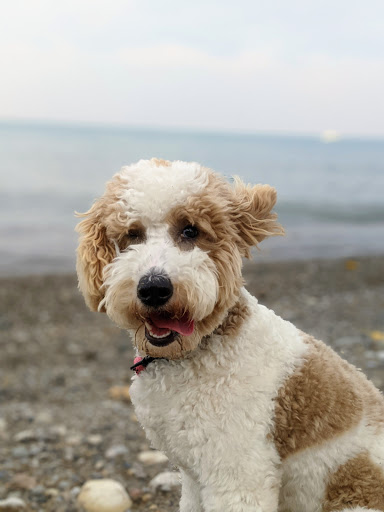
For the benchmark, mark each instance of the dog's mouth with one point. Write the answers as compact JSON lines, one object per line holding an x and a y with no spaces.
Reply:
{"x":162,"y":329}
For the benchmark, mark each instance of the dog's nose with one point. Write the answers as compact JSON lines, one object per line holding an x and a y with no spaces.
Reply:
{"x":154,"y":290}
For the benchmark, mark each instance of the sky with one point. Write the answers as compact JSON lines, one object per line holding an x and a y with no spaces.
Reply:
{"x":297,"y":66}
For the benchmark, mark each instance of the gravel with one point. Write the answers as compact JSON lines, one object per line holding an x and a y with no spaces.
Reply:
{"x":65,"y":414}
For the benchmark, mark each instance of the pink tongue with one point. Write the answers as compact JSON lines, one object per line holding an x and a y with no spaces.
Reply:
{"x":182,"y":325}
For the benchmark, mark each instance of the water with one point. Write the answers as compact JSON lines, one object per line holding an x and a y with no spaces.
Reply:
{"x":330,"y":196}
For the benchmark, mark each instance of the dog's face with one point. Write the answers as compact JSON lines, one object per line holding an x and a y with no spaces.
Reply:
{"x":160,"y":252}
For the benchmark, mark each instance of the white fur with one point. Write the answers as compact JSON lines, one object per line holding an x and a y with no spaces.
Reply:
{"x":212,"y":413}
{"x":310,"y":469}
{"x":359,"y":509}
{"x":192,"y":268}
{"x":151,"y":191}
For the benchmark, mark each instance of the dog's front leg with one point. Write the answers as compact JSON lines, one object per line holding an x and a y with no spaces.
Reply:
{"x":190,"y":494}
{"x":256,"y":491}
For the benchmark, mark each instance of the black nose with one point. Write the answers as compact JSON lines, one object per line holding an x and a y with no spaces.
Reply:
{"x":154,"y":290}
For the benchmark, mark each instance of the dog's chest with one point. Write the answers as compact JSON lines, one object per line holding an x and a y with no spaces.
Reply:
{"x":221,"y":401}
{"x":181,"y":412}
{"x":188,"y":415}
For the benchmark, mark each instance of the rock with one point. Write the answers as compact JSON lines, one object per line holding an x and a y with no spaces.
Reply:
{"x":136,"y":493}
{"x":103,"y":495}
{"x":166,"y":481}
{"x":64,"y":484}
{"x":3,"y":425}
{"x":38,"y":494}
{"x":25,"y":436}
{"x":73,"y":440}
{"x":22,"y":481}
{"x":20,"y":452}
{"x":137,"y":470}
{"x":58,"y":430}
{"x":45,"y":417}
{"x":94,"y":439}
{"x":116,"y":450}
{"x":75,"y":491}
{"x":52,"y":492}
{"x":146,"y":497}
{"x":12,"y":505}
{"x":119,"y":393}
{"x":150,"y":457}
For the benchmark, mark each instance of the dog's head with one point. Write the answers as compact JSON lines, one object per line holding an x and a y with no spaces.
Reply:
{"x":160,"y":252}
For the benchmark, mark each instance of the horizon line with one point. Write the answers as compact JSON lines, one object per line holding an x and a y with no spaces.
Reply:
{"x":179,"y":129}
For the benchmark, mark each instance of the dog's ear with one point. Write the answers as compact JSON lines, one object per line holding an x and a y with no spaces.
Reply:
{"x":95,"y":251}
{"x":252,"y":214}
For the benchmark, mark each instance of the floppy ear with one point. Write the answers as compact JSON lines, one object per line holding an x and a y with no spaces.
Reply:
{"x":95,"y":251}
{"x":252,"y":213}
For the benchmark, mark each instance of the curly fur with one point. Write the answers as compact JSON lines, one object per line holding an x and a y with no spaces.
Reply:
{"x":257,"y":415}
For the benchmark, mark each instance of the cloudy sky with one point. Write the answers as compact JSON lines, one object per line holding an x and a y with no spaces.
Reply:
{"x":299,"y":66}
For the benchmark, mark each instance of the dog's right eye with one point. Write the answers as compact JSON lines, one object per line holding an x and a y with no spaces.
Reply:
{"x":133,"y":234}
{"x":189,"y":232}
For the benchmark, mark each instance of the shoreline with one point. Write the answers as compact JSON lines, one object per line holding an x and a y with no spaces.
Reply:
{"x":53,"y":267}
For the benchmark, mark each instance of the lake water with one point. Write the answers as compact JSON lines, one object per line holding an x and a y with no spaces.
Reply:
{"x":330,"y":196}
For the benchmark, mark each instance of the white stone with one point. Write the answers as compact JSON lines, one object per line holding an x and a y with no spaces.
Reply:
{"x":25,"y":436}
{"x":150,"y":457}
{"x":45,"y":417}
{"x":95,"y":439}
{"x":116,"y":450}
{"x":166,"y":481}
{"x":103,"y":495}
{"x":12,"y":504}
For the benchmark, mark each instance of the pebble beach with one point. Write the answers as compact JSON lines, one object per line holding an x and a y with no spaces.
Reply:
{"x":65,"y":412}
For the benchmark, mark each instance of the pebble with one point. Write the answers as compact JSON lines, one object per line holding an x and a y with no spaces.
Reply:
{"x":44,"y":417}
{"x":94,"y":439}
{"x":75,"y":491}
{"x":3,"y":425}
{"x":104,"y":495}
{"x":52,"y":492}
{"x":64,"y":484}
{"x":116,"y":450}
{"x":136,"y":493}
{"x":58,"y":430}
{"x":20,"y":452}
{"x":119,"y":393}
{"x":150,"y":457}
{"x":25,"y":436}
{"x":12,"y":504}
{"x":137,"y":470}
{"x":99,"y":465}
{"x":166,"y":481}
{"x":22,"y":481}
{"x":73,"y":440}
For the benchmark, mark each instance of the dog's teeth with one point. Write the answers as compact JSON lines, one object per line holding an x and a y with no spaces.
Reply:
{"x":149,"y":329}
{"x":157,"y":336}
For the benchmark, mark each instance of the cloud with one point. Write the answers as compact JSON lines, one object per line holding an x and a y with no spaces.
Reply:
{"x":259,"y":68}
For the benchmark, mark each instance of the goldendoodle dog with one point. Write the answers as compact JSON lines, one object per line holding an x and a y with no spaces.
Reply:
{"x":258,"y":415}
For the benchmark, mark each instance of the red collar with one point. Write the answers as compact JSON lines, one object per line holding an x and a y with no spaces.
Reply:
{"x":140,"y":363}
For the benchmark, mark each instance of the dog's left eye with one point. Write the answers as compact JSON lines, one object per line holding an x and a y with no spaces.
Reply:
{"x":190,"y":232}
{"x":133,"y":234}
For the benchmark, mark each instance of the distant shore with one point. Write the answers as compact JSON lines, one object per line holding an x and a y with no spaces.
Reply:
{"x":59,"y":362}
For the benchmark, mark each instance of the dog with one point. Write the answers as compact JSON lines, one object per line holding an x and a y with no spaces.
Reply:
{"x":258,"y":415}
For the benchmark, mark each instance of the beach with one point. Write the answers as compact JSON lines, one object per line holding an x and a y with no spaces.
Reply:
{"x":65,"y":414}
